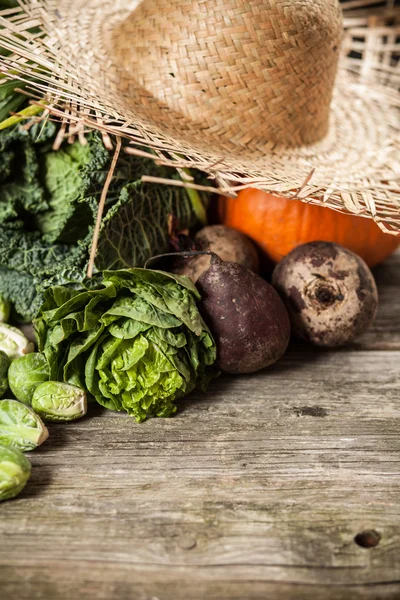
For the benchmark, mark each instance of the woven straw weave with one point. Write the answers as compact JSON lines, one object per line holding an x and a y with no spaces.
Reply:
{"x":209,"y":72}
{"x":244,"y":90}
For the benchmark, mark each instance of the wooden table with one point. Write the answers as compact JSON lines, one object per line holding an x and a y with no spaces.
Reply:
{"x":255,"y":490}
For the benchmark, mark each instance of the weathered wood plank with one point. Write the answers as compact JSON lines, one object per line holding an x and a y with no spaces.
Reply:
{"x":103,"y":581}
{"x":256,"y":489}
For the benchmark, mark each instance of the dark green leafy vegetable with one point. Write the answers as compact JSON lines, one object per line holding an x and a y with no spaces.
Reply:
{"x":136,"y":227}
{"x":4,"y":366}
{"x":56,"y":401}
{"x":20,"y":427}
{"x":136,"y":342}
{"x":13,"y":342}
{"x":15,"y":470}
{"x":26,"y":374}
{"x":49,"y":204}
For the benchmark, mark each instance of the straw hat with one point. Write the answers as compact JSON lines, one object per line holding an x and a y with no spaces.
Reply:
{"x":256,"y":93}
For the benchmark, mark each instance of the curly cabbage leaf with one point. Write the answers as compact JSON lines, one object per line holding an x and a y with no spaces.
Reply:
{"x":48,"y":207}
{"x":136,"y":227}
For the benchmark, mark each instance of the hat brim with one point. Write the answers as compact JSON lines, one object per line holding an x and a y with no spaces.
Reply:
{"x":355,"y":168}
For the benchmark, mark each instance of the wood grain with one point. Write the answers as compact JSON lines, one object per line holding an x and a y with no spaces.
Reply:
{"x":255,"y":490}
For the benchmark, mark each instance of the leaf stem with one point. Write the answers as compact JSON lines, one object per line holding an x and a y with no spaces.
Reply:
{"x":100,"y":211}
{"x":196,"y":202}
{"x":29,"y":111}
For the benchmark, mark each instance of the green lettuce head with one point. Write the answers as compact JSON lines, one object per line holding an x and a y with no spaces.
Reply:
{"x":136,"y":341}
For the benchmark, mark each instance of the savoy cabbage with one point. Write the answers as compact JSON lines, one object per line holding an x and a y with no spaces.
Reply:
{"x":48,"y":207}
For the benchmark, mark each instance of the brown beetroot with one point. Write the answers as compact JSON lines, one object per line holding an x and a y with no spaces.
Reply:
{"x":246,"y":316}
{"x":329,"y":292}
{"x":230,"y":245}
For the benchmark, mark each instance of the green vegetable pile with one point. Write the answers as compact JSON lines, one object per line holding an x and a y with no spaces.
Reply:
{"x":136,"y":342}
{"x":152,"y":350}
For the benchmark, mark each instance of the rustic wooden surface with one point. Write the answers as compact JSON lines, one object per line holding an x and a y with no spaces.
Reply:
{"x":254,"y":491}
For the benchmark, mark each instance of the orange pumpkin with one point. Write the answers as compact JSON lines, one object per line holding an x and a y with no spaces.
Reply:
{"x":278,"y":225}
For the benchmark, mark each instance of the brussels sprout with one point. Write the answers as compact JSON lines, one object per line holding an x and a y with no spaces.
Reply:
{"x":26,"y":373}
{"x":56,"y":401}
{"x":13,"y":342}
{"x":15,"y":470}
{"x":5,"y":309}
{"x":20,"y":427}
{"x":4,"y":366}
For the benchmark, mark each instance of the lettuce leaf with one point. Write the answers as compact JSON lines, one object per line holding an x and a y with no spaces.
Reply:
{"x":135,"y":340}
